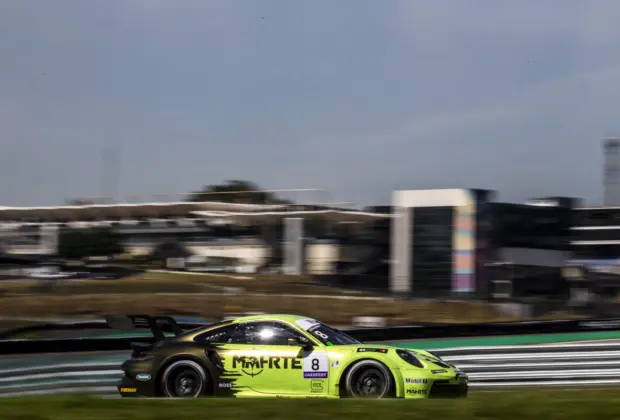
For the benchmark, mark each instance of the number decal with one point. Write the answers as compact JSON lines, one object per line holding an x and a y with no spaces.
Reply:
{"x":316,"y":365}
{"x":320,"y":334}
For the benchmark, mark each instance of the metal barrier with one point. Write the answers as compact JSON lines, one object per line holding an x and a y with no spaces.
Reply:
{"x":567,"y":364}
{"x":89,"y":378}
{"x":562,"y":364}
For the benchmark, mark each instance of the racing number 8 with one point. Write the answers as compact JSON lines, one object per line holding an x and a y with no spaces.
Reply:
{"x":315,"y":364}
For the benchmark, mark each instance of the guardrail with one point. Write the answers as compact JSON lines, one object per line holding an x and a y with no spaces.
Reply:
{"x":89,"y":378}
{"x":561,"y":364}
{"x":493,"y":367}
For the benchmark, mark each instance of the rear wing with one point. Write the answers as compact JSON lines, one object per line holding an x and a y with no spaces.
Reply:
{"x":157,"y":324}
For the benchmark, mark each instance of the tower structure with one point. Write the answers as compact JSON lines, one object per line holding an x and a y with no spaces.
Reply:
{"x":611,"y":171}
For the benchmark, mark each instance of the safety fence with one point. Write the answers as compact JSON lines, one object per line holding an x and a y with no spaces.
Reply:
{"x":90,"y":378}
{"x":492,"y":367}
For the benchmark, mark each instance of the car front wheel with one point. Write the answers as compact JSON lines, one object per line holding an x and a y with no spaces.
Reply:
{"x":369,"y":379}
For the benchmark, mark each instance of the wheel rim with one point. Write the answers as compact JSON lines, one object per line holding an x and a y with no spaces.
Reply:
{"x":184,"y":383}
{"x":370,"y":383}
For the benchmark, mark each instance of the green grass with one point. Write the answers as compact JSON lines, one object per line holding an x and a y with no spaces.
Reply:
{"x":599,"y":404}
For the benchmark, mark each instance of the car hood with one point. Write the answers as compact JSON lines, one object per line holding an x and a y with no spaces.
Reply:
{"x":433,"y":362}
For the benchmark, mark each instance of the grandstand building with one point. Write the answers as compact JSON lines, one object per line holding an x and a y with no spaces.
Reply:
{"x":249,"y":233}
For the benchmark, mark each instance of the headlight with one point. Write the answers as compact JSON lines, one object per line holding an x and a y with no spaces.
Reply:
{"x":409,"y":358}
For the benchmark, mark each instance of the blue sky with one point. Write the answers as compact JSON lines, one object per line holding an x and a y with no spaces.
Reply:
{"x":356,"y":97}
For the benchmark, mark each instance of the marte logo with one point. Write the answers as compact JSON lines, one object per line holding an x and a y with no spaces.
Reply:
{"x":417,"y":392}
{"x":253,"y":366}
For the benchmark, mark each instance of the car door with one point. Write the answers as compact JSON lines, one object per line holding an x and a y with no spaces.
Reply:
{"x":283,"y":366}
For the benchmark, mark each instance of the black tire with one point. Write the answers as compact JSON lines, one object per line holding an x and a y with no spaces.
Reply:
{"x":184,"y":379}
{"x":369,"y":379}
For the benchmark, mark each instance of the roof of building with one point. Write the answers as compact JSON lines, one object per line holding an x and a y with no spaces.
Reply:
{"x":121,"y":211}
{"x":332,"y":215}
{"x":163,"y":210}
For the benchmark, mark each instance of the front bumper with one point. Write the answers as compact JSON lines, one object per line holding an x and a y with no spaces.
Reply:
{"x":445,"y":389}
{"x":448,"y":384}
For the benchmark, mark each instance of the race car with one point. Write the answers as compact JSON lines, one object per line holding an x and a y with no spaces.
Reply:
{"x":279,"y":356}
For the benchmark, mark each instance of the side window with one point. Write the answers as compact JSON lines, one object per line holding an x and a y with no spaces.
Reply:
{"x":225,"y":334}
{"x":268,"y":333}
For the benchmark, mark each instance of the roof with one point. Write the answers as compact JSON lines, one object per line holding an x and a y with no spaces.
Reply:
{"x":122,"y":211}
{"x":266,"y":317}
{"x":255,"y":217}
{"x":241,"y":213}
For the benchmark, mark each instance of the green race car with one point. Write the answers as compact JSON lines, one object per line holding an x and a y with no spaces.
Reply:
{"x":283,"y":356}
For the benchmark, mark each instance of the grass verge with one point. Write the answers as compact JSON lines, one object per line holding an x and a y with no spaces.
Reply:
{"x":327,"y":309}
{"x":161,"y":282}
{"x":205,"y":295}
{"x":600,"y":404}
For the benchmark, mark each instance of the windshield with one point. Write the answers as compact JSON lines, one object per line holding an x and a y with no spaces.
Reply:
{"x":331,"y":337}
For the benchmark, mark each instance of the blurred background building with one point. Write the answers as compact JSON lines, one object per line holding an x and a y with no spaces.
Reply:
{"x":435,"y":242}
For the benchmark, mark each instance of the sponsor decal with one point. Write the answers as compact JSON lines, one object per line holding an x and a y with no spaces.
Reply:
{"x":128,"y":390}
{"x":316,"y":386}
{"x":335,"y":364}
{"x":367,"y":350}
{"x":439,"y":371}
{"x":143,"y":377}
{"x":414,"y":391}
{"x":224,"y":385}
{"x":416,"y":381}
{"x":312,"y":375}
{"x":254,"y":366}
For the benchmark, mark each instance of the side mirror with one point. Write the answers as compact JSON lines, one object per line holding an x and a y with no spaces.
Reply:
{"x":302,"y":342}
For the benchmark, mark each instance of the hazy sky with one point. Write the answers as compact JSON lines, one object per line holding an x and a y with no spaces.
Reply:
{"x":356,"y":97}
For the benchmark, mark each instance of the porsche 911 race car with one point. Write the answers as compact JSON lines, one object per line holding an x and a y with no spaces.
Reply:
{"x":279,"y":356}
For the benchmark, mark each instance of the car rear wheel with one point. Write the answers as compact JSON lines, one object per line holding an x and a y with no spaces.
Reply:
{"x":369,"y":379}
{"x":184,"y":379}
